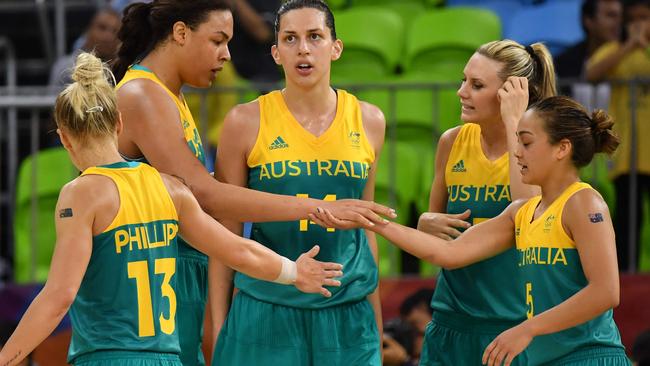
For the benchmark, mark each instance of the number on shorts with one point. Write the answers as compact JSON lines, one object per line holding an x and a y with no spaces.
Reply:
{"x":304,"y":224}
{"x":140,"y":272}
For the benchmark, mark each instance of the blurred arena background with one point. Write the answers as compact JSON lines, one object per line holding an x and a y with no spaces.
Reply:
{"x":405,"y":56}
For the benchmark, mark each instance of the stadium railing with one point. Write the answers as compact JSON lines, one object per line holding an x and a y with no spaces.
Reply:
{"x":22,"y":110}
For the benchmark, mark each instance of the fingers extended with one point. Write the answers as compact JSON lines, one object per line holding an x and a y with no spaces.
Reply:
{"x":331,"y":266}
{"x":331,"y":282}
{"x":325,"y":292}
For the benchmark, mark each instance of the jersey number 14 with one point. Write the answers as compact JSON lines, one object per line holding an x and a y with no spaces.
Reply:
{"x":304,"y":224}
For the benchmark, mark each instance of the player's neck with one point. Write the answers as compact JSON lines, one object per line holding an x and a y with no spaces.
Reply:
{"x":317,"y":100}
{"x":557,"y":183}
{"x":162,"y":65}
{"x":95,"y":154}
{"x":494,"y":141}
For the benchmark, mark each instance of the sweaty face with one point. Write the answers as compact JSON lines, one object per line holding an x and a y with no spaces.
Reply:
{"x":305,"y":47}
{"x":534,"y":153}
{"x":478,"y":92}
{"x":206,"y":49}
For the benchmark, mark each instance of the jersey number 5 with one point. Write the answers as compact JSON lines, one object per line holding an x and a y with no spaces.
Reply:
{"x":140,"y":271}
{"x":529,"y":300}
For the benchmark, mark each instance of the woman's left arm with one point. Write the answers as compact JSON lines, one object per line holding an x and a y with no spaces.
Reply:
{"x":74,"y":217}
{"x":586,"y":219}
{"x":513,"y":99}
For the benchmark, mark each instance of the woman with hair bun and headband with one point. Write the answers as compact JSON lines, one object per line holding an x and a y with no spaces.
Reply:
{"x":115,"y":261}
{"x":563,"y":241}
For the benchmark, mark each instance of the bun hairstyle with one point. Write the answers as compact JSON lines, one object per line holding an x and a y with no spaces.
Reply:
{"x":88,"y":107}
{"x":533,"y":62}
{"x":589,"y":133}
{"x":605,"y":140}
{"x":145,"y":25}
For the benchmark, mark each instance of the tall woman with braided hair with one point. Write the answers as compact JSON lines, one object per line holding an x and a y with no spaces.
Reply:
{"x":167,"y":44}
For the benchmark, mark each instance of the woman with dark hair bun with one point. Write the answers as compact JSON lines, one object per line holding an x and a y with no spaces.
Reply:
{"x":167,"y":44}
{"x":564,"y":239}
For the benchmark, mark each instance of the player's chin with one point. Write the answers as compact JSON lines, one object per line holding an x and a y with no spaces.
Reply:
{"x":527,"y":179}
{"x":204,"y":81}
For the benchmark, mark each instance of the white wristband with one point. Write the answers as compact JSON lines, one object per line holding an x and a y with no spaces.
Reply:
{"x":288,"y":273}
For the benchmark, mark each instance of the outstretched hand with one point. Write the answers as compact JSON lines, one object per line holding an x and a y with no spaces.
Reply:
{"x":445,"y":226}
{"x":507,"y":346}
{"x":312,"y":275}
{"x":351,"y":214}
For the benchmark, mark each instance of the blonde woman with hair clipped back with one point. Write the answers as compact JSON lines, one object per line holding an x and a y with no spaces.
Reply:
{"x":475,"y":181}
{"x":114,"y":264}
{"x":564,"y":251}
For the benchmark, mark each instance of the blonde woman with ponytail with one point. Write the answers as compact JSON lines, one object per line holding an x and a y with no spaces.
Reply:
{"x":114,"y":264}
{"x":563,"y":244}
{"x":475,"y":180}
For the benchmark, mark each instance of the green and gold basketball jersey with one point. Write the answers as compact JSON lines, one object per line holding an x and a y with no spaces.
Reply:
{"x":127,"y":298}
{"x":190,"y":132}
{"x":485,"y":289}
{"x":287,"y":159}
{"x":552,"y":272}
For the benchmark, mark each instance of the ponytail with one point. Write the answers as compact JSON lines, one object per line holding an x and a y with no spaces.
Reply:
{"x":532,"y":62}
{"x":543,"y":80}
{"x":136,"y":35}
{"x":146,"y":25}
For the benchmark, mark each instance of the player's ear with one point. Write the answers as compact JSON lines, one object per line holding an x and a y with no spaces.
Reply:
{"x":337,"y":49}
{"x":276,"y":54}
{"x":564,"y":149}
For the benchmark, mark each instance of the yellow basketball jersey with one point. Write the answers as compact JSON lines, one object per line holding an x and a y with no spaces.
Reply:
{"x":287,"y":159}
{"x":470,"y":176}
{"x":190,"y":131}
{"x":127,"y":298}
{"x":550,"y":268}
{"x":485,"y":290}
{"x":282,"y":138}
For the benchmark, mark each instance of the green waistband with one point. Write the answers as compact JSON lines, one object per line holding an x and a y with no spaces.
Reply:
{"x":125,"y":355}
{"x":589,"y":353}
{"x":470,"y":324}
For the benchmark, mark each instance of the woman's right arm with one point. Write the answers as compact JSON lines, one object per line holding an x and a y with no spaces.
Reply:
{"x":152,"y":127}
{"x":436,"y":221}
{"x":74,"y":218}
{"x":479,"y":242}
